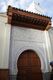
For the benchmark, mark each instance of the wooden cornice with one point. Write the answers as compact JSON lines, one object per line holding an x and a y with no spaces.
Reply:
{"x":23,"y":18}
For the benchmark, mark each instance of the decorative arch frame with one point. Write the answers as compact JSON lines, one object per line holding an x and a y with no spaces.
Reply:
{"x":42,"y":58}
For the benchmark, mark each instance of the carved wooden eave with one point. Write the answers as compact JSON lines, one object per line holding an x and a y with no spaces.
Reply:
{"x":24,"y":18}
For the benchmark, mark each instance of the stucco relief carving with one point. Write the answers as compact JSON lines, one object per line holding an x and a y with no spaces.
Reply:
{"x":22,"y":40}
{"x":40,"y":52}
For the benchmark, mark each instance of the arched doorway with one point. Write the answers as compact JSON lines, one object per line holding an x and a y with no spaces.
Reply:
{"x":29,"y":66}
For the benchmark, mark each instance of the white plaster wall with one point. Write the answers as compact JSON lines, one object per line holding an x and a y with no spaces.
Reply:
{"x":23,"y":39}
{"x":51,"y":39}
{"x":4,"y":41}
{"x":48,"y":46}
{"x":27,"y":34}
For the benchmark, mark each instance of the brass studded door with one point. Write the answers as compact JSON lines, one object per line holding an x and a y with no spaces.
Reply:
{"x":29,"y":66}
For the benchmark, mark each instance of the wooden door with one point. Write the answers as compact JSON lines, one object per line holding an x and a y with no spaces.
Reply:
{"x":29,"y":66}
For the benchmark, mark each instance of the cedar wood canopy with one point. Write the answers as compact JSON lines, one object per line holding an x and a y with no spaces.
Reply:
{"x":22,"y":18}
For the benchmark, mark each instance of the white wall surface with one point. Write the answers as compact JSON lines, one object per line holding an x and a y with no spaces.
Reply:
{"x":4,"y":41}
{"x":23,"y":39}
{"x":51,"y":39}
{"x":48,"y":46}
